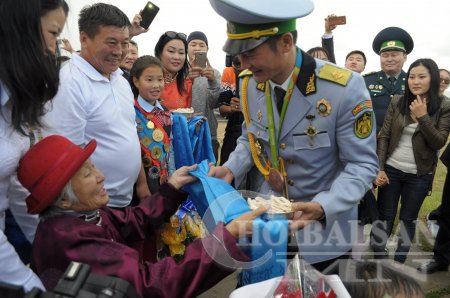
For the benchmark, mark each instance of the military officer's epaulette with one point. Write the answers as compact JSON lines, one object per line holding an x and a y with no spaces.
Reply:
{"x":335,"y":74}
{"x":245,"y":73}
{"x":369,"y":73}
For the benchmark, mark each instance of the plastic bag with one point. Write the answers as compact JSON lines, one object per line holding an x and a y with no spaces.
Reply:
{"x":301,"y":280}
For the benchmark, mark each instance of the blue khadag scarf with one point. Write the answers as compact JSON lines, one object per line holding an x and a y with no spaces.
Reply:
{"x":216,"y":200}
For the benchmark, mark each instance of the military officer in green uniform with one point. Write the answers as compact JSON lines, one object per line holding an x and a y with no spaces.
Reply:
{"x":392,"y":44}
{"x":308,"y":126}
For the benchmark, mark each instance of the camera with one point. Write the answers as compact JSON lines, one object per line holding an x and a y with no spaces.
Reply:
{"x":77,"y":282}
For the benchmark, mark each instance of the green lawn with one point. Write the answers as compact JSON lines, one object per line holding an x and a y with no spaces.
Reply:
{"x":434,"y":200}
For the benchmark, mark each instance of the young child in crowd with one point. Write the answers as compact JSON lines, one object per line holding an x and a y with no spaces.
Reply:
{"x":154,"y":125}
{"x":153,"y":121}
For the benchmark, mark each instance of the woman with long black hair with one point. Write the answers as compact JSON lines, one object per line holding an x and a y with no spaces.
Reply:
{"x":172,"y":49}
{"x":416,"y":126}
{"x":28,"y":80}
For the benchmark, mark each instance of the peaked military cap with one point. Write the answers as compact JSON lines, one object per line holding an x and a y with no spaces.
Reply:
{"x":393,"y":39}
{"x":250,"y":23}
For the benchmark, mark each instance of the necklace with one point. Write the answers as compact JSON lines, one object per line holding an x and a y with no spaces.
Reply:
{"x":168,"y":77}
{"x":92,"y":217}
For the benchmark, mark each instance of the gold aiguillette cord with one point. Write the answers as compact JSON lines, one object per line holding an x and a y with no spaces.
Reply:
{"x":263,"y":169}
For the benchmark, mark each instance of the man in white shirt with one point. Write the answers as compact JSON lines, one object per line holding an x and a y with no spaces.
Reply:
{"x":94,"y":101}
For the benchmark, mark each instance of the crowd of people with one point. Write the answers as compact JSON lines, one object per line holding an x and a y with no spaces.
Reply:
{"x":88,"y":157}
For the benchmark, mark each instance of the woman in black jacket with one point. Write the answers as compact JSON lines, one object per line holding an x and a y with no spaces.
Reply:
{"x":416,"y":126}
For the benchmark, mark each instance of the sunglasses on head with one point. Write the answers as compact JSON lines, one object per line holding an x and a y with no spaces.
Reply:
{"x":173,"y":34}
{"x":445,"y":81}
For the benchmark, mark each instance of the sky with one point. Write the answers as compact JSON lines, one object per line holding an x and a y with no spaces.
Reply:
{"x":424,"y":20}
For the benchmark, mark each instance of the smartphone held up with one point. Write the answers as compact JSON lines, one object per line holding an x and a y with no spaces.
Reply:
{"x":337,"y":20}
{"x":148,"y":14}
{"x":200,"y":59}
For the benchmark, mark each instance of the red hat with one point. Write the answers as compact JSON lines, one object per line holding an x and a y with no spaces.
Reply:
{"x":48,"y":166}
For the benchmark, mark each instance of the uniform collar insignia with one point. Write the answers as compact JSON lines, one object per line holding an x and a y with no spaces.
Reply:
{"x":306,"y":81}
{"x":261,"y":87}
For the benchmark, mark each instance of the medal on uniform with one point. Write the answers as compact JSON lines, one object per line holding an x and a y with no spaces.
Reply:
{"x":166,"y":146}
{"x":259,"y":115}
{"x":310,"y":117}
{"x":157,"y":135}
{"x":153,"y":172}
{"x":146,"y":141}
{"x":146,"y":161}
{"x":311,"y":131}
{"x":150,"y":124}
{"x":156,"y":152}
{"x":276,"y":180}
{"x":323,"y":107}
{"x":258,"y":148}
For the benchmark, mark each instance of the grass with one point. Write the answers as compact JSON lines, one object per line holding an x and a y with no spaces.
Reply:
{"x":433,"y":201}
{"x":438,"y":293}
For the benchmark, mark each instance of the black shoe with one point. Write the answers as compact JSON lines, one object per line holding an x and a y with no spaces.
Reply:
{"x":432,"y":267}
{"x":381,"y":255}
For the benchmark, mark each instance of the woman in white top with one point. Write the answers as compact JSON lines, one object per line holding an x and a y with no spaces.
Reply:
{"x":28,"y":79}
{"x":416,"y":126}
